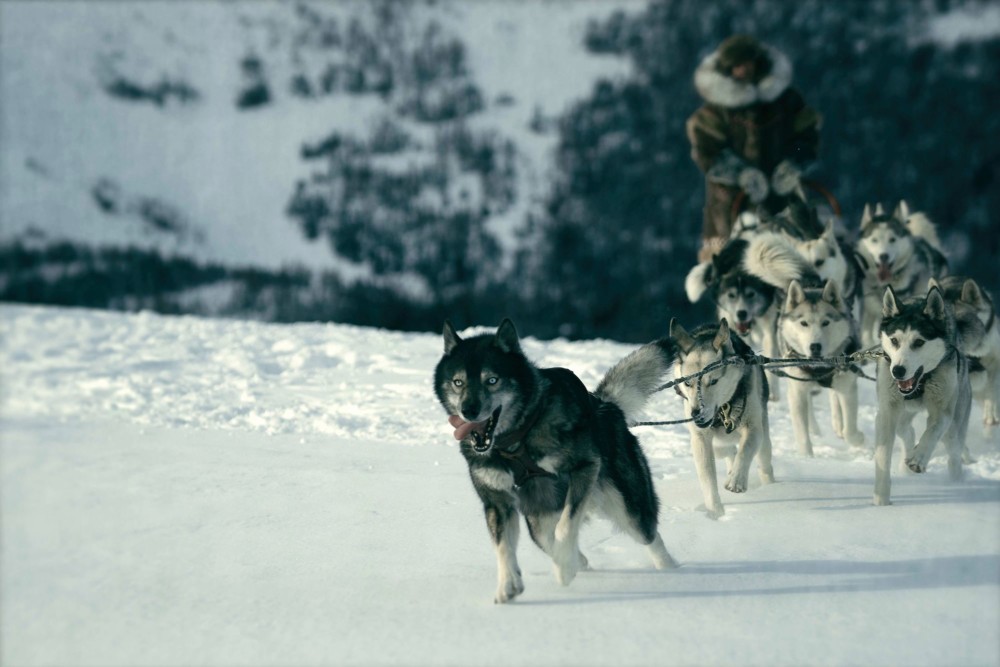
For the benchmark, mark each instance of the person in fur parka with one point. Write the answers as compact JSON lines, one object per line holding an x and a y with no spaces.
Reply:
{"x":754,"y":133}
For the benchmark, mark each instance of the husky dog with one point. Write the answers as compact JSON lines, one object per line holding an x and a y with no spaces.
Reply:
{"x":817,"y":323}
{"x":922,"y":370}
{"x":537,"y":442}
{"x":728,"y":408}
{"x":746,"y":281}
{"x":979,"y":335}
{"x":901,"y":250}
{"x":834,"y":259}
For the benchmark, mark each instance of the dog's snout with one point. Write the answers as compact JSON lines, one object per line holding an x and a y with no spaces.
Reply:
{"x":899,"y":372}
{"x":815,"y":349}
{"x":884,"y":257}
{"x":741,"y":315}
{"x":470,"y":410}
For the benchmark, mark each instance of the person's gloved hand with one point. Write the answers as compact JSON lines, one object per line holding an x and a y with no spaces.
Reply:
{"x":786,"y":177}
{"x":754,"y":183}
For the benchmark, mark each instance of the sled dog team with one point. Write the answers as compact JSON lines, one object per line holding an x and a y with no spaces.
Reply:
{"x":538,"y":443}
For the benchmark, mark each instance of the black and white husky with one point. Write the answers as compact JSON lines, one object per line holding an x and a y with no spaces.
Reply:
{"x":979,"y":336}
{"x":900,"y":250}
{"x":537,"y":442}
{"x":816,"y":323}
{"x":923,"y":370}
{"x":728,"y":408}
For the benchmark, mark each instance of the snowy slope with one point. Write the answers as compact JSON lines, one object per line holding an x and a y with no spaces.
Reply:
{"x":175,"y":490}
{"x":231,"y":174}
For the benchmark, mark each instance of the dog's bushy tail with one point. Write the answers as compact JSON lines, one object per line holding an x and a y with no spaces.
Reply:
{"x":775,"y":260}
{"x":630,"y":382}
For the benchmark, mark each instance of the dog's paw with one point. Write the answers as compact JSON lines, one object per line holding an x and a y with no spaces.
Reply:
{"x":915,"y":466}
{"x":509,"y":586}
{"x":715,"y":512}
{"x":584,"y":563}
{"x":736,"y":485}
{"x":567,"y":570}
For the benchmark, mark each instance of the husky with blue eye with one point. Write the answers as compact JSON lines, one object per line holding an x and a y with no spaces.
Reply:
{"x":539,"y":444}
{"x":727,"y":406}
{"x":923,"y":370}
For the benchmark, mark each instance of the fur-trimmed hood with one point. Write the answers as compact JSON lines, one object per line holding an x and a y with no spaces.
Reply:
{"x":718,"y":88}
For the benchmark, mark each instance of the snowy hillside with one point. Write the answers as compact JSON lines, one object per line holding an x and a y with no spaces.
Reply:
{"x":176,"y":490}
{"x":135,"y":138}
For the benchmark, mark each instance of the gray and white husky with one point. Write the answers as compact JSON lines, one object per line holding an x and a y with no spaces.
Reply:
{"x":728,"y":408}
{"x":979,"y":336}
{"x":537,"y":442}
{"x":816,"y":323}
{"x":833,"y":259}
{"x":923,"y":370}
{"x":901,"y":250}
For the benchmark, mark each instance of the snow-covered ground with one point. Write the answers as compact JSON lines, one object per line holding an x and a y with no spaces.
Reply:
{"x":185,"y":491}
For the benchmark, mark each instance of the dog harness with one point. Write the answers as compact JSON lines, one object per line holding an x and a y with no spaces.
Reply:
{"x":522,"y":466}
{"x":823,"y":376}
{"x":730,"y":413}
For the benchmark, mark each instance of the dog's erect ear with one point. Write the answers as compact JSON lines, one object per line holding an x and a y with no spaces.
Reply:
{"x":795,"y":295}
{"x":866,"y":216}
{"x":680,"y":335}
{"x":830,"y":233}
{"x":890,"y":307}
{"x":878,"y":209}
{"x":451,"y":338}
{"x":721,"y":341}
{"x":902,"y":212}
{"x":506,"y":338}
{"x":932,"y":283}
{"x":971,"y":294}
{"x":831,"y":293}
{"x":935,"y":306}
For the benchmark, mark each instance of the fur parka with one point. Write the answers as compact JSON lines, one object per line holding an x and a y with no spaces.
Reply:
{"x":746,"y":124}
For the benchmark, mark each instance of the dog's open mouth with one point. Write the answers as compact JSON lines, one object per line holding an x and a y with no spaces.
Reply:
{"x":884,"y":272}
{"x":907,"y":387}
{"x":481,"y":432}
{"x":743,"y":328}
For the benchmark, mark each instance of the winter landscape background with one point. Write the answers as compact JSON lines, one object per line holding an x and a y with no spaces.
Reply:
{"x":209,"y":479}
{"x":394,"y":163}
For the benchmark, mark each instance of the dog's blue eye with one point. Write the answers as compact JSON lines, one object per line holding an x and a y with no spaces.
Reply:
{"x":918,"y":343}
{"x":492,"y":380}
{"x":458,"y":383}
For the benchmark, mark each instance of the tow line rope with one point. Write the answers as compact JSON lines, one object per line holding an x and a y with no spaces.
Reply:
{"x":843,"y":361}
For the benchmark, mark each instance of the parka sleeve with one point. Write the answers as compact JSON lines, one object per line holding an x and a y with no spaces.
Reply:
{"x":706,"y":131}
{"x":803,"y":146}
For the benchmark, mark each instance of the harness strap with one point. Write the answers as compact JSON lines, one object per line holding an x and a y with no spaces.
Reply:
{"x":522,"y":466}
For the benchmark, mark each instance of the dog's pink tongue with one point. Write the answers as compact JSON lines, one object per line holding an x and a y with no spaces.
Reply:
{"x":884,"y":272}
{"x":906,"y":385}
{"x":464,"y":428}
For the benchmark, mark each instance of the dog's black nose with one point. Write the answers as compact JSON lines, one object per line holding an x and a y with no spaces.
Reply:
{"x":815,"y":349}
{"x":470,"y":411}
{"x":884,"y":257}
{"x":899,"y":372}
{"x":819,"y":262}
{"x":741,"y":315}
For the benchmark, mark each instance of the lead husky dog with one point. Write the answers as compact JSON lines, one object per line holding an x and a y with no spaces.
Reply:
{"x":901,"y":250}
{"x":728,"y":408}
{"x":537,"y":442}
{"x":923,"y":370}
{"x":817,"y":323}
{"x":976,"y":319}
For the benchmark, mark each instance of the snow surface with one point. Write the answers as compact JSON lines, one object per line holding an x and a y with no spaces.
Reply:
{"x":178,"y":490}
